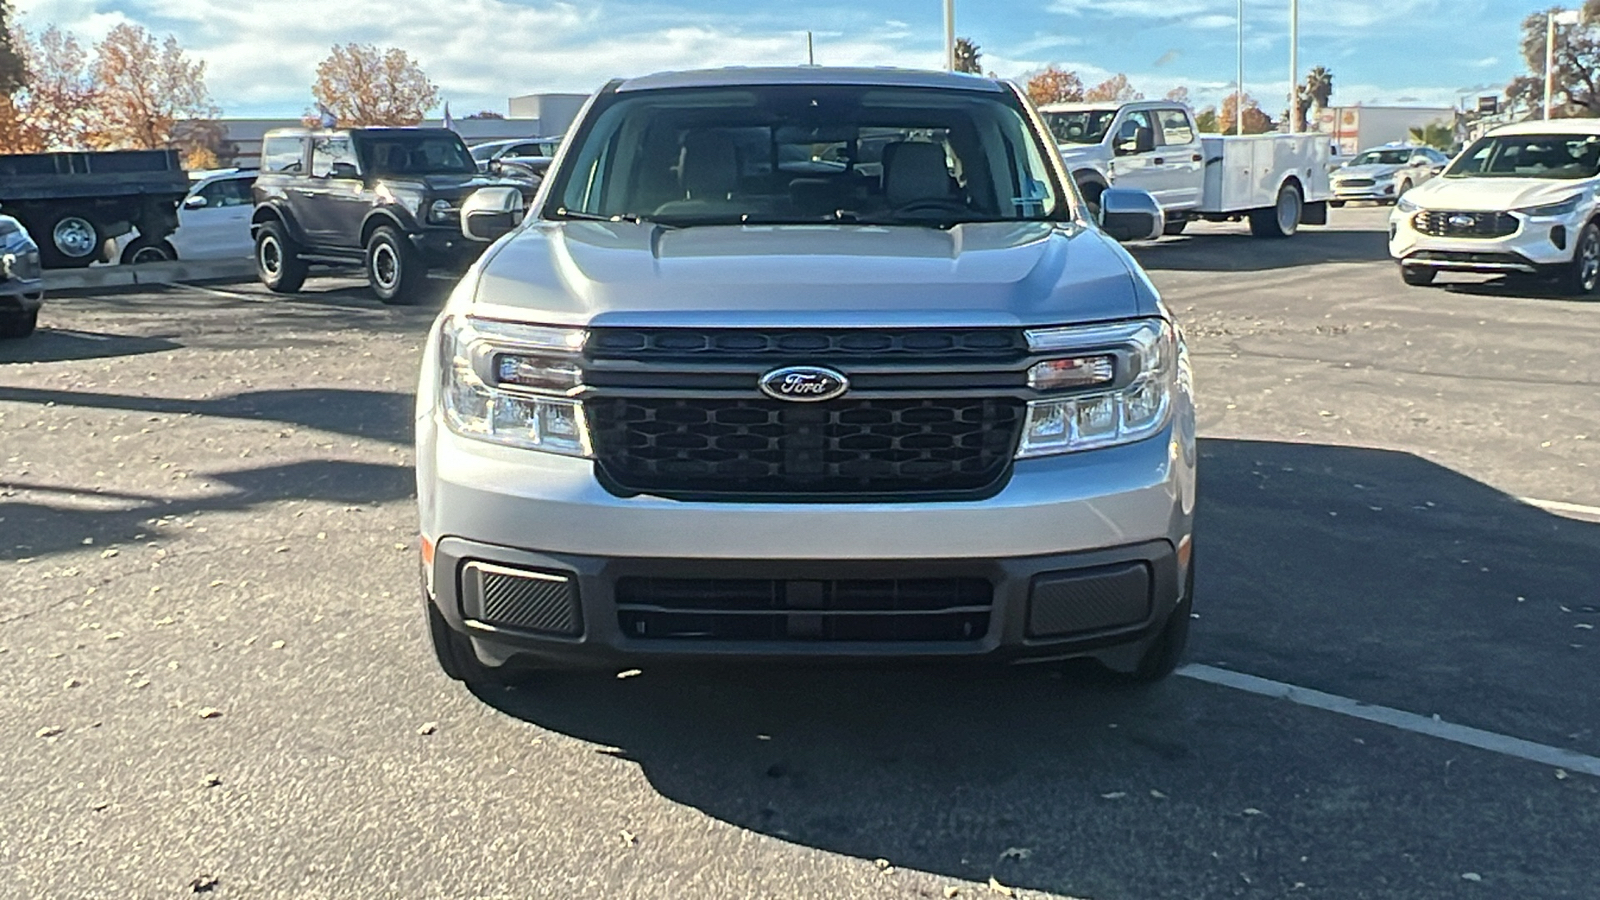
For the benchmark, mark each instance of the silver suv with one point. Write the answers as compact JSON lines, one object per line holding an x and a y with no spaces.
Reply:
{"x":806,"y":363}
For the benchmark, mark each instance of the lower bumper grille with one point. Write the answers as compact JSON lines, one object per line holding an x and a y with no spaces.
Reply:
{"x":918,"y":609}
{"x":1467,"y":259}
{"x":767,"y":449}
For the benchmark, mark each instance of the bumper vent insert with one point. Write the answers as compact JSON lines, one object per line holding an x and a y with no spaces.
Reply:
{"x":520,"y":599}
{"x":1089,"y":600}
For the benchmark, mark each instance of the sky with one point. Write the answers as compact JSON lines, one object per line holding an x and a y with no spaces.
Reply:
{"x":261,"y":57}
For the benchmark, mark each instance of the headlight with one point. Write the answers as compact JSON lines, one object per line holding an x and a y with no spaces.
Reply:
{"x":1554,"y":210}
{"x":440,"y":212}
{"x":410,"y":200}
{"x":1406,"y":206}
{"x":511,"y":384}
{"x":1139,"y":356}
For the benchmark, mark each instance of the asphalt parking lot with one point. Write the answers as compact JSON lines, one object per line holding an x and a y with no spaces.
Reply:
{"x":217,"y":680}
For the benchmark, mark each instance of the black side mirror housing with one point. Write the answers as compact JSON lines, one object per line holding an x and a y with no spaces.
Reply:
{"x":491,"y":212}
{"x":1130,"y":215}
{"x":344,"y":170}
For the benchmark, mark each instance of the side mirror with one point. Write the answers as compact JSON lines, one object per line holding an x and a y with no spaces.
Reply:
{"x":344,"y":170}
{"x":1436,"y":169}
{"x":194,"y":201}
{"x":1130,"y":215}
{"x":491,"y":212}
{"x":1142,"y":140}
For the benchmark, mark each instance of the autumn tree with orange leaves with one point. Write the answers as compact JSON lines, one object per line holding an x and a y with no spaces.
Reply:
{"x":1115,"y":89}
{"x":146,"y":89}
{"x":363,"y":86}
{"x":55,"y":107}
{"x":1255,"y":121}
{"x":1055,"y":85}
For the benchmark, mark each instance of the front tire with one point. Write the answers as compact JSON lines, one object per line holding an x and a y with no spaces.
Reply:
{"x":1582,"y":276}
{"x":1417,"y":276}
{"x":278,"y":262}
{"x":1280,"y":220}
{"x":1166,"y":653}
{"x":15,"y":324}
{"x":145,"y":250}
{"x":454,"y":650}
{"x":394,"y":267}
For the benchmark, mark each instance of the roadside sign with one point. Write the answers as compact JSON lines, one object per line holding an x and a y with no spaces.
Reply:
{"x":1489,"y":105}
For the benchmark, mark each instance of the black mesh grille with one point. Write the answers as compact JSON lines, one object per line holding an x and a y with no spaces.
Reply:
{"x":816,"y":344}
{"x":526,"y":602}
{"x":838,"y":448}
{"x":915,"y":609}
{"x":1465,"y":224}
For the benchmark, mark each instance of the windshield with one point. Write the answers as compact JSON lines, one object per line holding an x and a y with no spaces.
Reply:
{"x":1080,"y":127}
{"x":1562,"y":156}
{"x":1383,"y":158}
{"x":485,"y":152}
{"x":802,"y":154}
{"x":417,"y":154}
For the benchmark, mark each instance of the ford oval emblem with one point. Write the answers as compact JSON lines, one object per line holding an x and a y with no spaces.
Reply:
{"x":806,"y":384}
{"x":1462,"y":220}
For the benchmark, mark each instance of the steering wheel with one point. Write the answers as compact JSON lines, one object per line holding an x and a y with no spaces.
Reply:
{"x":934,"y":204}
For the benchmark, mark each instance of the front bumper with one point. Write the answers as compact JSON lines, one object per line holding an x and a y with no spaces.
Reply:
{"x":1101,"y":511}
{"x":1536,"y":245}
{"x":446,"y":248}
{"x":1383,"y":192}
{"x":21,"y":281}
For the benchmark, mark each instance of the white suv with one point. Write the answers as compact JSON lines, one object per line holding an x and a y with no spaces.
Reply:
{"x":1521,"y":200}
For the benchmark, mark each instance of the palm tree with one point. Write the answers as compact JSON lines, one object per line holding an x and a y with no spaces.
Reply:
{"x":969,"y":56}
{"x":1314,"y":94}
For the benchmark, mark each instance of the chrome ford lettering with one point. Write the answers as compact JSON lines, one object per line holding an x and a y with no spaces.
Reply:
{"x":804,"y":383}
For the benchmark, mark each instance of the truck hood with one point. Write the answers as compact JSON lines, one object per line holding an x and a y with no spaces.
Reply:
{"x":634,"y":275}
{"x":454,"y":185}
{"x":1494,"y":194}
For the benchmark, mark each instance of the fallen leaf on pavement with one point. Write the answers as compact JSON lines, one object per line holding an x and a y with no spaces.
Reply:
{"x":1251,"y":811}
{"x":1016,"y":853}
{"x":208,"y":712}
{"x":1471,"y":876}
{"x":49,"y":731}
{"x":203,"y":884}
{"x":629,"y":673}
{"x":629,"y":838}
{"x":1114,"y":795}
{"x":428,"y":728}
{"x":998,"y":888}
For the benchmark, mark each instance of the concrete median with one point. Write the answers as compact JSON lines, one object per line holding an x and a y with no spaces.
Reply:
{"x":96,"y":278}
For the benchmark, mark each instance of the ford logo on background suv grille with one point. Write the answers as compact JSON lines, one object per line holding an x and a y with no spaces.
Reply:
{"x":807,"y":384}
{"x":1462,"y":220}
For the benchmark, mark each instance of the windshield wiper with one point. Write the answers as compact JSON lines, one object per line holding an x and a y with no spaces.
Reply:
{"x":581,"y":216}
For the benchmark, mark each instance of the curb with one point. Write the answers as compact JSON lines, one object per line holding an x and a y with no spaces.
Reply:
{"x":119,"y":277}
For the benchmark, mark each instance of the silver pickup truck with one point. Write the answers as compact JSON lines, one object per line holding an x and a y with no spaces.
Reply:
{"x":806,"y":363}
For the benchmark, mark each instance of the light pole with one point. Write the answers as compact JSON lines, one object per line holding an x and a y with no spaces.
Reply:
{"x":1551,"y":20}
{"x":950,"y":35}
{"x":1294,"y":66}
{"x":1238,"y":86}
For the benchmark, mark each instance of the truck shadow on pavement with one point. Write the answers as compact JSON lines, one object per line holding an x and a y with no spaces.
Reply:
{"x":1243,"y":253}
{"x":1373,"y":574}
{"x":379,"y":415}
{"x":63,"y":345}
{"x":34,"y":528}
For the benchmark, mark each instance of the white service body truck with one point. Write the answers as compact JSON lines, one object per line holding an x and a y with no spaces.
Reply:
{"x":1276,"y":181}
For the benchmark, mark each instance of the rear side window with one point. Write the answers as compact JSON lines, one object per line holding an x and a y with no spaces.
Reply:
{"x":328,"y":150}
{"x":228,"y":192}
{"x":283,"y":154}
{"x":1175,"y":127}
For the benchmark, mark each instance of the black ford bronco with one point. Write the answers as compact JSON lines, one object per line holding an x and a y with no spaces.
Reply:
{"x":386,"y":199}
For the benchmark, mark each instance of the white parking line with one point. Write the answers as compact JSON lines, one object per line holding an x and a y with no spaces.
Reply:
{"x":1461,"y":734}
{"x":1561,"y":506}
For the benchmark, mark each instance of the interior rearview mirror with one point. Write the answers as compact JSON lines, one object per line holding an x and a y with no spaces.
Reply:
{"x":1130,"y":215}
{"x":491,"y":212}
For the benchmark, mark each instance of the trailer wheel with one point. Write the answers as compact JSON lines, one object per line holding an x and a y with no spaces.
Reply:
{"x":278,"y":262}
{"x":72,"y":240}
{"x":1280,"y":220}
{"x":145,"y":250}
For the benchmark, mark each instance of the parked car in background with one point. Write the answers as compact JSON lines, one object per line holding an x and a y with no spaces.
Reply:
{"x":1382,"y":174}
{"x":386,"y":199}
{"x":806,"y":364}
{"x":213,"y":223}
{"x":21,"y":280}
{"x":528,"y":168}
{"x":530,"y":147}
{"x":1276,"y":181}
{"x":1521,"y":201}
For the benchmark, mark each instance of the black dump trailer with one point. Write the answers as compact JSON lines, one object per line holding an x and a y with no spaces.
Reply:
{"x":74,"y":203}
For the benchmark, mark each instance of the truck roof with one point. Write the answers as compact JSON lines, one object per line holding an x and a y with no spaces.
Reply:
{"x":302,"y":131}
{"x":735,"y":76}
{"x":1108,"y":105}
{"x":1552,"y":126}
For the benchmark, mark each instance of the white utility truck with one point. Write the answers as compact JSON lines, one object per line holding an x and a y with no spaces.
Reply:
{"x":1276,"y":181}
